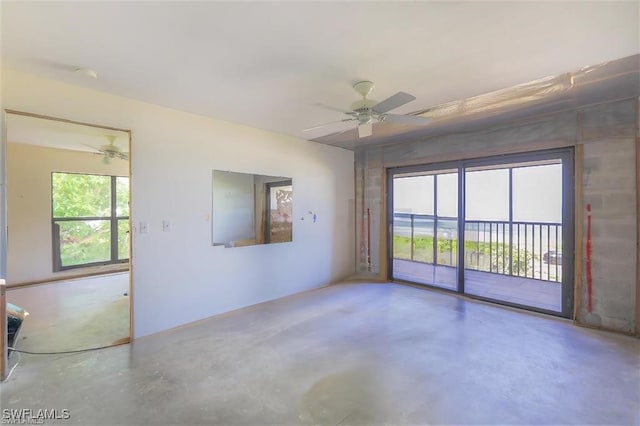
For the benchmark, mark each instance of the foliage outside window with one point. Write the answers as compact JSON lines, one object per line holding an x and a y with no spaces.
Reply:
{"x":90,"y":220}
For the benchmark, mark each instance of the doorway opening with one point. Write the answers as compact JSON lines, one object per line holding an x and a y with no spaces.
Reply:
{"x":68,"y":249}
{"x":493,"y":228}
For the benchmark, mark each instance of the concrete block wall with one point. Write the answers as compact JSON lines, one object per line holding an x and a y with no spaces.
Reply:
{"x":608,"y":296}
{"x":369,"y":181}
{"x":608,"y":133}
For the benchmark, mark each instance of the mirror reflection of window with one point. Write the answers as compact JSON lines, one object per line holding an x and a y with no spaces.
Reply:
{"x":279,"y":197}
{"x":250,"y":209}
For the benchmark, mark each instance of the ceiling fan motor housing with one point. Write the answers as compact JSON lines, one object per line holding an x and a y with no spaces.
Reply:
{"x":363,"y":108}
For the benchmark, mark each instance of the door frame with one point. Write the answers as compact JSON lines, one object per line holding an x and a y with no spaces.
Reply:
{"x":432,"y":167}
{"x":566,"y":155}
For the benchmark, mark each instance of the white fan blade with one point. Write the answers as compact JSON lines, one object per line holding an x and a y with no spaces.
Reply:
{"x":413,"y":120}
{"x":329,"y":107}
{"x":328,"y":124}
{"x":393,"y":102}
{"x":365,"y":130}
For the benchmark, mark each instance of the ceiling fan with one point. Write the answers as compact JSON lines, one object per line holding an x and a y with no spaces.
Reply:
{"x":366,"y":111}
{"x":110,"y":151}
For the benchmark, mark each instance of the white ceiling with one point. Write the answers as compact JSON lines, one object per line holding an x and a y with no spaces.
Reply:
{"x":269,"y":64}
{"x":57,"y":134}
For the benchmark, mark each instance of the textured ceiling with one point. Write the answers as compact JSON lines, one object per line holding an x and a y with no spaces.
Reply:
{"x":270,"y":64}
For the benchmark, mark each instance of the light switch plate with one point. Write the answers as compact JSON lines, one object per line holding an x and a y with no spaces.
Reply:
{"x":144,"y":228}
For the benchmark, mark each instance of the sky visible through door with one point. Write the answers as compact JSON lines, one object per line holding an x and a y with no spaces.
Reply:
{"x":512,"y":228}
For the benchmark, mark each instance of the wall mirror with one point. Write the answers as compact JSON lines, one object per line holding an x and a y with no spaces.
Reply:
{"x":68,"y":239}
{"x":250,"y":209}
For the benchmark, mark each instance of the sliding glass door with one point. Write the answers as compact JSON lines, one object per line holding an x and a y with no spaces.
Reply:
{"x":517,"y":216}
{"x":425,"y":227}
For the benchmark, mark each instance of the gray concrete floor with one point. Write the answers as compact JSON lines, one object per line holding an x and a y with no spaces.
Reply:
{"x":73,"y":314}
{"x":348,"y":354}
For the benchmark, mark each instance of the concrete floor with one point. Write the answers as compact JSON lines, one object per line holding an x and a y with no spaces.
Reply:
{"x":73,"y":314}
{"x":348,"y":354}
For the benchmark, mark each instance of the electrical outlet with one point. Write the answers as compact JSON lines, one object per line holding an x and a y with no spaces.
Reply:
{"x":166,"y":225}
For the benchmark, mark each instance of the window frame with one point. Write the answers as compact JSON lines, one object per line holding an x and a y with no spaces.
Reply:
{"x":567,"y":235}
{"x":113,"y":220}
{"x":269,"y":186}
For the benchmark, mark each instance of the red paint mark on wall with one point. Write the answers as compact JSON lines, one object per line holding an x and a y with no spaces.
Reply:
{"x":589,"y":254}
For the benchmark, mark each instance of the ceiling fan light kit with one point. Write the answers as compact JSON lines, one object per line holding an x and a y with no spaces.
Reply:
{"x":365,"y":112}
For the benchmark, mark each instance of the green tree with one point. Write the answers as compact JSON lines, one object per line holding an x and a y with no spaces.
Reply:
{"x":88,"y":196}
{"x":76,"y":195}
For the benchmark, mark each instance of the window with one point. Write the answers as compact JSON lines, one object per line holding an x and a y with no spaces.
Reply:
{"x":90,"y":220}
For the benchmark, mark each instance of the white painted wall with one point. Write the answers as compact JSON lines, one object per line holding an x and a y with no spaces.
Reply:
{"x":29,"y":247}
{"x":178,"y":276}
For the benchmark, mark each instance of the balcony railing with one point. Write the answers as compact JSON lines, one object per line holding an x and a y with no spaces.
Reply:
{"x":521,"y":249}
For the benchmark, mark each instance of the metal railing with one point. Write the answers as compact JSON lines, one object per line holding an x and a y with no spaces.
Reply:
{"x":520,"y":249}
